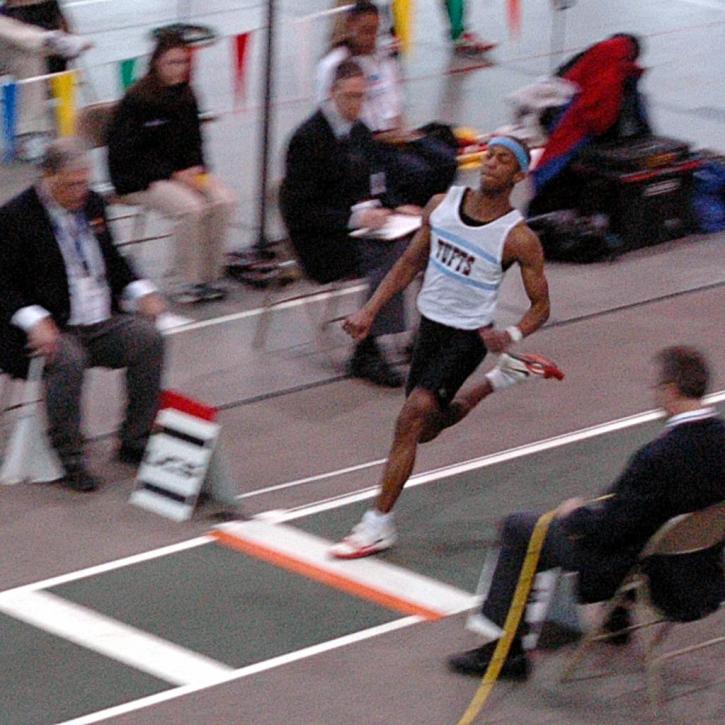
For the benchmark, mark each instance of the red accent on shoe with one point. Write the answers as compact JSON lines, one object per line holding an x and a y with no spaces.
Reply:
{"x":540,"y":365}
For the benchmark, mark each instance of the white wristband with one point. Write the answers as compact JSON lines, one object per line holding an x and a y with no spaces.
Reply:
{"x":515,"y":333}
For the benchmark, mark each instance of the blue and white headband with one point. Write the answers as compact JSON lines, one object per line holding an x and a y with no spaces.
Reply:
{"x":515,"y":148}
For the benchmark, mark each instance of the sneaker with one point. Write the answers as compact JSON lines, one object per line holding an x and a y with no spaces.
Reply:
{"x":472,"y":44}
{"x":188,"y":294}
{"x":476,"y":661}
{"x":368,"y":363}
{"x":130,"y":454}
{"x":212,"y":292}
{"x":81,"y":479}
{"x":366,"y":538}
{"x":522,"y":367}
{"x":66,"y":45}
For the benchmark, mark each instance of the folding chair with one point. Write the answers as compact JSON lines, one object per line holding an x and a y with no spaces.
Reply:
{"x":92,"y":126}
{"x":290,"y":267}
{"x":685,"y":534}
{"x":28,"y":455}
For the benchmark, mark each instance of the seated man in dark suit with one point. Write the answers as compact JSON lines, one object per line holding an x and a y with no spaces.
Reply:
{"x":682,"y":470}
{"x":333,"y":185}
{"x":63,"y":282}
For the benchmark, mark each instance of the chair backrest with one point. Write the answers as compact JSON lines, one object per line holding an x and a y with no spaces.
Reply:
{"x":688,"y":533}
{"x":93,"y":121}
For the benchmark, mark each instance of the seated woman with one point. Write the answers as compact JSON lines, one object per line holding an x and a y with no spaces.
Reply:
{"x":156,"y":160}
{"x":417,"y":163}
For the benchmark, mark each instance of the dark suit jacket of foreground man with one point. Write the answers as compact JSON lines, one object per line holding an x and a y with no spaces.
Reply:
{"x":324,"y":178}
{"x":682,"y":470}
{"x":32,"y":270}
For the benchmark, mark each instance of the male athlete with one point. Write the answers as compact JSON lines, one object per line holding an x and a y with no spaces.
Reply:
{"x":468,"y":239}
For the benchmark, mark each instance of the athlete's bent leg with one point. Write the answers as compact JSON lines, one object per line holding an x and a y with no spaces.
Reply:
{"x":376,"y":530}
{"x":420,"y":407}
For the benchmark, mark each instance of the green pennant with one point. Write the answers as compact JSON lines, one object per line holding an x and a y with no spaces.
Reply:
{"x":128,"y":72}
{"x":456,"y":12}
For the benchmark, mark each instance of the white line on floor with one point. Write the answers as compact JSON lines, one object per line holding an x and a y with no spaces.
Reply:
{"x":485,"y":461}
{"x":243,"y":672}
{"x":259,"y":310}
{"x":311,"y":479}
{"x":107,"y":566}
{"x":373,"y":574}
{"x":111,"y":638}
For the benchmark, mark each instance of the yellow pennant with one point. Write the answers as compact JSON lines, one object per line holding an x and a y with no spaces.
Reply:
{"x":64,"y":87}
{"x":403,"y":22}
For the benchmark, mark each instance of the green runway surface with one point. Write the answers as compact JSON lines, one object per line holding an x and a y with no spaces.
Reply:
{"x":227,"y":606}
{"x":46,"y":679}
{"x":445,"y":526}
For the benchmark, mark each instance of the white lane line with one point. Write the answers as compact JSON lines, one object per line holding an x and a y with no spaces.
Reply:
{"x":485,"y":461}
{"x":311,"y":479}
{"x":113,"y":639}
{"x":234,"y":316}
{"x":243,"y":672}
{"x":373,"y":575}
{"x":108,"y":566}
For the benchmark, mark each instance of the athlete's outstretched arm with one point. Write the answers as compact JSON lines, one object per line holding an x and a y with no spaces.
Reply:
{"x":403,"y":272}
{"x":524,"y":248}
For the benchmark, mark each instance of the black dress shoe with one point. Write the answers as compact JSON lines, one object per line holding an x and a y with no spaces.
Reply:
{"x":80,"y":479}
{"x":368,"y":363}
{"x":476,"y":661}
{"x":133,"y":455}
{"x":618,"y":619}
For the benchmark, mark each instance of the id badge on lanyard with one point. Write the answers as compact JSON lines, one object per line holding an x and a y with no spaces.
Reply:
{"x":377,"y":184}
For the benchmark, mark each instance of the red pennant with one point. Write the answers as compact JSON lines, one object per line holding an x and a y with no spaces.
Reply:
{"x":513,"y":8}
{"x":241,"y":45}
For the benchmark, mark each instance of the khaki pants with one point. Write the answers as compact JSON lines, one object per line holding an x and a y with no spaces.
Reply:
{"x":22,"y":54}
{"x":200,"y":224}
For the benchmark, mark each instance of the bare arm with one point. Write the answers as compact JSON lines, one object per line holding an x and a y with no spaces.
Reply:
{"x":397,"y":279}
{"x":523,"y":248}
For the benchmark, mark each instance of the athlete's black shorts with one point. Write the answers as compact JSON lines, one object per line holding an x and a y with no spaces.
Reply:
{"x":443,"y":357}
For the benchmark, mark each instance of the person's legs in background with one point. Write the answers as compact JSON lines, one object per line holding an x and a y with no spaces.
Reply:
{"x":516,"y":532}
{"x":187,"y":208}
{"x":221,"y":203}
{"x":64,"y":376}
{"x":464,"y":42}
{"x":375,"y":259}
{"x":134,"y":343}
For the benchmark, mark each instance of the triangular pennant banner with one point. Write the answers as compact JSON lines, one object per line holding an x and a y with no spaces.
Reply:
{"x":10,"y":97}
{"x":64,"y":93}
{"x":513,"y":12}
{"x":241,"y":46}
{"x":127,"y":70}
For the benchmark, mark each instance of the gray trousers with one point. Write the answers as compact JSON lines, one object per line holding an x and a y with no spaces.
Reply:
{"x":375,"y":258}
{"x":123,"y":341}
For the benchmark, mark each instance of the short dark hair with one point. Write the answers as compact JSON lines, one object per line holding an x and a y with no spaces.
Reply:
{"x":363,"y":7}
{"x":347,"y":69}
{"x":686,"y":368}
{"x":64,"y":153}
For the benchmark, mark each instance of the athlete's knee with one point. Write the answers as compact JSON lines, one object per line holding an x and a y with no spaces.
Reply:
{"x":420,"y":406}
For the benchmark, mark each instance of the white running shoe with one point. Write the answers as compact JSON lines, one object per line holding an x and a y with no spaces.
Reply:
{"x":66,"y":45}
{"x":525,"y":366}
{"x":368,"y":537}
{"x":513,"y":369}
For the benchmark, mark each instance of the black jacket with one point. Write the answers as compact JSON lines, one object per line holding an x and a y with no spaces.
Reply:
{"x":681,"y":471}
{"x":152,"y":136}
{"x":32,"y":269}
{"x":324,"y":177}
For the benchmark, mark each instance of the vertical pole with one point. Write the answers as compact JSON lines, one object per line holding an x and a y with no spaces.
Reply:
{"x":262,"y":240}
{"x":558,"y":31}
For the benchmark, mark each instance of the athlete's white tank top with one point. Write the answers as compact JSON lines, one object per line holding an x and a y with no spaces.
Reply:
{"x":464,"y":270}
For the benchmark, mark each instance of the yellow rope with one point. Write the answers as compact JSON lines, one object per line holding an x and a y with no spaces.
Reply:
{"x":513,"y":618}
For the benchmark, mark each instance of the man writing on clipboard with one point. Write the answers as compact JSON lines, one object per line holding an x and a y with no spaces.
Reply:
{"x":338,"y":209}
